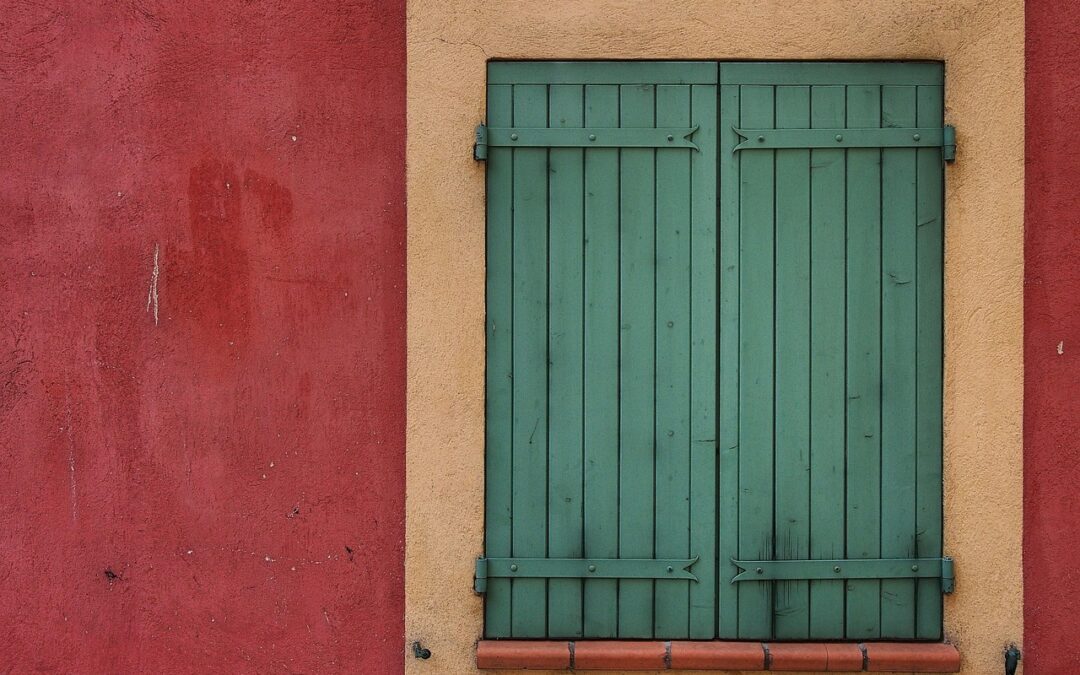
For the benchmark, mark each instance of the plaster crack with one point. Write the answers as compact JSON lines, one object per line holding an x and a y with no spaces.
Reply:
{"x":152,"y":295}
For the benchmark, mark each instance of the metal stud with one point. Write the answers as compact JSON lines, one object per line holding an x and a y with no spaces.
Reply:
{"x":670,"y":569}
{"x":592,"y":568}
{"x":513,"y":137}
{"x":836,"y":569}
{"x":670,"y":138}
{"x":513,"y":568}
{"x":916,"y":137}
{"x":759,"y":570}
{"x":592,"y":137}
{"x":760,"y":139}
{"x":914,"y":568}
{"x":839,"y":138}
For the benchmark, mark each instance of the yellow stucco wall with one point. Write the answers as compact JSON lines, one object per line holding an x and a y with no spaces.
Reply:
{"x":981,"y":43}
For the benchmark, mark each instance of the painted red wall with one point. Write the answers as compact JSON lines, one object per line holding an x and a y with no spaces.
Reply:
{"x":211,"y":482}
{"x":1052,"y":340}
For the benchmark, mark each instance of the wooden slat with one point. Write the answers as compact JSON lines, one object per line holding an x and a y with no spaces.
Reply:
{"x":601,"y":362}
{"x":637,"y":322}
{"x":602,"y":72}
{"x":498,"y":440}
{"x":898,"y":359}
{"x":929,"y":250}
{"x":566,"y":338}
{"x":728,"y":363}
{"x":792,"y":476}
{"x":703,"y":439}
{"x":827,"y":224}
{"x":831,"y":73}
{"x":530,"y":356}
{"x":863,"y":363}
{"x":673,"y":204}
{"x":756,"y":296}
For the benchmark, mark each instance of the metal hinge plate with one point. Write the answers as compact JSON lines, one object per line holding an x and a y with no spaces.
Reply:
{"x":581,"y":568}
{"x":892,"y":568}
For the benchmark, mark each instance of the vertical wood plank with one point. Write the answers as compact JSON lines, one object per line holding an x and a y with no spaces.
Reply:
{"x":863,"y":363}
{"x":637,"y":316}
{"x":566,"y":340}
{"x":703,"y":346}
{"x":672,"y":597}
{"x":827,"y":358}
{"x":728,"y":363}
{"x":601,"y":361}
{"x":530,"y":356}
{"x":498,"y":441}
{"x":791,"y":602}
{"x":756,"y":268}
{"x":929,"y":280}
{"x":898,"y":360}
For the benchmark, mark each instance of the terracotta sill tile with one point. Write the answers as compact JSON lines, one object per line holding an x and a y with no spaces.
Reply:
{"x":844,"y":657}
{"x":797,"y":656}
{"x":719,"y":656}
{"x":619,"y":655}
{"x":885,"y":657}
{"x":522,"y":654}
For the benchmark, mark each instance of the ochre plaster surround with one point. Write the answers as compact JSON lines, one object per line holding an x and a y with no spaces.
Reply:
{"x":449,"y":44}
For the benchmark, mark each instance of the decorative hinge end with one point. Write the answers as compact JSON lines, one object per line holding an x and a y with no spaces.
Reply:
{"x":948,"y":145}
{"x":480,"y":148}
{"x":480,"y":580}
{"x":948,"y":576}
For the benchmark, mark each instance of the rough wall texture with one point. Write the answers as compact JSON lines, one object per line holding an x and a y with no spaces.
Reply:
{"x":202,"y":334}
{"x":1052,"y":338}
{"x":981,"y":43}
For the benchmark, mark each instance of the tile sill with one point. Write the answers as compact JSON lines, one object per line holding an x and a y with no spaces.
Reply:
{"x":825,"y":657}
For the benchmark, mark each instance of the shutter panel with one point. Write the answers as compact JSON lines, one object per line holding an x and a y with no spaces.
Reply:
{"x":601,"y":341}
{"x":830,"y":348}
{"x":751,"y":406}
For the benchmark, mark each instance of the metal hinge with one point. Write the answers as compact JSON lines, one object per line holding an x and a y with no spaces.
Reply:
{"x":581,"y":568}
{"x":886,"y":137}
{"x":892,"y":568}
{"x":480,"y":148}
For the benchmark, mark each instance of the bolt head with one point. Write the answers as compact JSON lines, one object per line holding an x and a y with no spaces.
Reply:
{"x":513,"y":568}
{"x":670,"y":137}
{"x":914,"y":568}
{"x":592,"y":568}
{"x":836,"y":569}
{"x":759,"y":570}
{"x":760,"y":139}
{"x":839,"y":138}
{"x":670,"y":569}
{"x":592,"y":137}
{"x":513,"y":137}
{"x":916,"y":137}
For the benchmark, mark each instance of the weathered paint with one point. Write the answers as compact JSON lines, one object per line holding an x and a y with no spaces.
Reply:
{"x":1052,"y":340}
{"x":981,"y":43}
{"x":202,"y":296}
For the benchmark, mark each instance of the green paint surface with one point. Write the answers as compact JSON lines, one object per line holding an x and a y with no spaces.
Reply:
{"x":714,"y":353}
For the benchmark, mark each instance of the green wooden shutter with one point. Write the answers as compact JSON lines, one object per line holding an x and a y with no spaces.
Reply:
{"x":601,"y":343}
{"x":647,"y":416}
{"x":830,"y":357}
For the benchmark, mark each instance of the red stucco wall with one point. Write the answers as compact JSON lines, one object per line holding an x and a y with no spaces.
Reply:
{"x":203,"y":473}
{"x":1052,"y":340}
